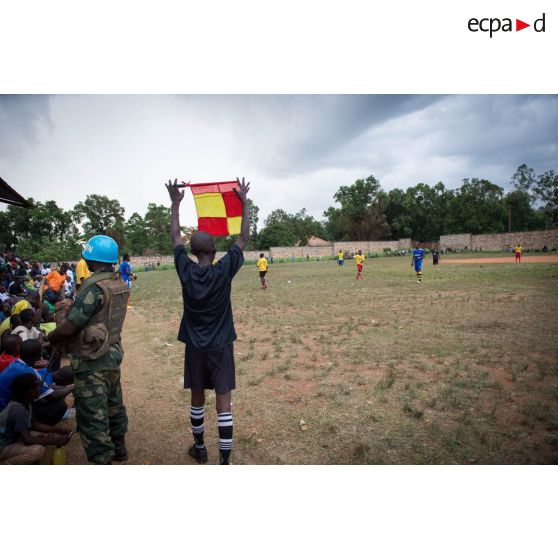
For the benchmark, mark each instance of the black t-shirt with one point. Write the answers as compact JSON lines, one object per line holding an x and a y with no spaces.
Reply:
{"x":207,"y":322}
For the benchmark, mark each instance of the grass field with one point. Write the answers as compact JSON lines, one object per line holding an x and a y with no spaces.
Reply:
{"x":460,"y":369}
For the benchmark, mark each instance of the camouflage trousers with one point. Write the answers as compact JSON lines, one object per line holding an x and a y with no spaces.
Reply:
{"x":100,"y":412}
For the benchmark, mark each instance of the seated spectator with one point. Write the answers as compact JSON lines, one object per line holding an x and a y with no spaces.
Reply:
{"x":9,"y":324}
{"x":35,"y":271}
{"x":3,"y":294}
{"x":46,"y":269}
{"x":55,"y":284}
{"x":22,"y":437}
{"x":16,"y":287}
{"x":50,"y":406}
{"x":11,"y":345}
{"x":27,"y":329}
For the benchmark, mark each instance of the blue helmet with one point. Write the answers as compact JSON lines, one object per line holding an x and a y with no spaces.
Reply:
{"x":101,"y":248}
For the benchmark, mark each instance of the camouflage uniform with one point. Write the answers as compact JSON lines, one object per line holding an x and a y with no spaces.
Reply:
{"x":100,"y":412}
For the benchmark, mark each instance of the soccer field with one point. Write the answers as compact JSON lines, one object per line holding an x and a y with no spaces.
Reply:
{"x":462,"y":368}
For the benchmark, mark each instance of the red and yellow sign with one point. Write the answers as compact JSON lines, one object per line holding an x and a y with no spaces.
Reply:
{"x":218,"y":207}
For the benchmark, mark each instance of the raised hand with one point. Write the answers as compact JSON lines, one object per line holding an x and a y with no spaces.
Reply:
{"x":242,"y":190}
{"x":175,"y":194}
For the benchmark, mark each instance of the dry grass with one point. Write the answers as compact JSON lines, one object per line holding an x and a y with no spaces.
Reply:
{"x":460,"y":369}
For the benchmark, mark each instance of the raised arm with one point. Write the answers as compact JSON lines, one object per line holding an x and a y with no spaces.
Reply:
{"x":176,"y":197}
{"x":242,"y":192}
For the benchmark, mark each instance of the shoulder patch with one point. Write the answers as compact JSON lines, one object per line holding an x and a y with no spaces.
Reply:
{"x":89,"y":298}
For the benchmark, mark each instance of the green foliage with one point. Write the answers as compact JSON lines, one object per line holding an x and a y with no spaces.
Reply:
{"x":361,"y":216}
{"x":284,"y":229}
{"x":101,"y":215}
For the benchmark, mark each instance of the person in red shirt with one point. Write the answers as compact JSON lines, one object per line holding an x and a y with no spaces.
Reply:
{"x":11,"y":345}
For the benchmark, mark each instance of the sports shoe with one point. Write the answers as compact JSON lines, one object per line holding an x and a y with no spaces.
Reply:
{"x":197,"y":454}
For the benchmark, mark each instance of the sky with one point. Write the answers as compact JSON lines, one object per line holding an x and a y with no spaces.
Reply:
{"x":296,"y":150}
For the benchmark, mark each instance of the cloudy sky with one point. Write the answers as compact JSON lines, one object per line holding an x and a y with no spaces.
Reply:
{"x":295,"y":150}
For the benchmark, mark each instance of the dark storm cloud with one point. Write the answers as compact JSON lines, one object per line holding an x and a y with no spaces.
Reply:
{"x":23,"y":119}
{"x":292,"y":134}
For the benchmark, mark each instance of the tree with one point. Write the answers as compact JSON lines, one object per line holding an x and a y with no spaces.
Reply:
{"x":157,"y":223}
{"x":361,"y":216}
{"x":135,"y":231}
{"x":40,"y":231}
{"x":477,"y":208}
{"x":523,"y":179}
{"x":546,"y":191}
{"x":522,"y":214}
{"x":101,"y":215}
{"x":276,"y":234}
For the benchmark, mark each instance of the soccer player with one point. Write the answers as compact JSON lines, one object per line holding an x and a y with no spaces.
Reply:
{"x":340,"y":259}
{"x":262,"y":266}
{"x":436,"y":258}
{"x":517,"y":252}
{"x":418,"y":256}
{"x":359,"y":258}
{"x":207,"y":327}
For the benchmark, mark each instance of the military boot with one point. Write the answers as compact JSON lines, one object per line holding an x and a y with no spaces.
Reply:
{"x":120,"y":451}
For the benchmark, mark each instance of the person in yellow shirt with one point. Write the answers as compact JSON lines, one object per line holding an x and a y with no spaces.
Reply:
{"x":82,"y":273}
{"x":262,"y":266}
{"x":517,"y":251}
{"x":359,"y":258}
{"x":340,"y":259}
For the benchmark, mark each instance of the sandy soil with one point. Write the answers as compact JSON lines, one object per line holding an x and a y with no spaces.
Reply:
{"x":524,"y":259}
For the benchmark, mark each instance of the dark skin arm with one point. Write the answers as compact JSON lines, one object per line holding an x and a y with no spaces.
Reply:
{"x":49,"y":436}
{"x":242,"y":192}
{"x":65,"y":330}
{"x":176,"y":196}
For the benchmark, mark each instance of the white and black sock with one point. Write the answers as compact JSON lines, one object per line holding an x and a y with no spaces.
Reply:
{"x":225,"y":425}
{"x":196,"y":418}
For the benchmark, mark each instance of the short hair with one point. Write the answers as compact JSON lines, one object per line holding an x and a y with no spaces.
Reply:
{"x":125,"y":257}
{"x":15,"y":320}
{"x":202,"y":243}
{"x":23,"y":385}
{"x":261,"y":255}
{"x":30,"y":351}
{"x":11,"y":344}
{"x":27,"y":315}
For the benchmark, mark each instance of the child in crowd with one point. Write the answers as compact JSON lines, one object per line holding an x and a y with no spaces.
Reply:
{"x":27,"y":329}
{"x":11,"y":345}
{"x":22,"y":438}
{"x":262,"y":266}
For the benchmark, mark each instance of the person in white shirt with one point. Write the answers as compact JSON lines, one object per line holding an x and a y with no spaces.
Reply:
{"x":46,"y":269}
{"x":27,"y":329}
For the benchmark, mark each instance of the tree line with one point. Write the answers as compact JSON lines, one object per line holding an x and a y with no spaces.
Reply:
{"x":361,"y":211}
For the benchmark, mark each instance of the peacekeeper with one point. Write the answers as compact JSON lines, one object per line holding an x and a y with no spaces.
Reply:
{"x":90,"y":334}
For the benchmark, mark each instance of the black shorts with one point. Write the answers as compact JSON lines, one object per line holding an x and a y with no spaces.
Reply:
{"x":262,"y":274}
{"x":213,"y":369}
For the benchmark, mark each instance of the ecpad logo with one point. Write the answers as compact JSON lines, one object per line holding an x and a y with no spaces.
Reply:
{"x":493,"y":25}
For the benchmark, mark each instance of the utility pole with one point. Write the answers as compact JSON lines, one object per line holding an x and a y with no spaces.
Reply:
{"x":509,"y":218}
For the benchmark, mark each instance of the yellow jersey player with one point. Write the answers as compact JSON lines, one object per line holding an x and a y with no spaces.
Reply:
{"x":359,"y":258}
{"x":262,"y":266}
{"x":340,"y":259}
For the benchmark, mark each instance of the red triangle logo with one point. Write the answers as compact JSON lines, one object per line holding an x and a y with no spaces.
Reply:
{"x":519,"y":25}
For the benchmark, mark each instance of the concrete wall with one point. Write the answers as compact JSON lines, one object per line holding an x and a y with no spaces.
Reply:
{"x":455,"y":241}
{"x":532,"y":240}
{"x":331,"y":250}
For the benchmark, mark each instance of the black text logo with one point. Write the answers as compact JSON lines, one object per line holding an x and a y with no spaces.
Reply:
{"x":493,"y":25}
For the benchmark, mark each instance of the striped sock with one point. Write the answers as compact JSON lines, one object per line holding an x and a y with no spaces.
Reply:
{"x":225,"y":424}
{"x":196,"y":418}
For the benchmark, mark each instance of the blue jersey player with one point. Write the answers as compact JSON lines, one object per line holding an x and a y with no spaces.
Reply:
{"x":418,"y":257}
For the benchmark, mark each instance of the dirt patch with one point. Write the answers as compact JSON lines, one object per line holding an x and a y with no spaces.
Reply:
{"x":524,"y":259}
